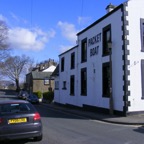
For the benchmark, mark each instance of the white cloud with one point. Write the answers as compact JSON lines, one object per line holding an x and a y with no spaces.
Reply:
{"x":64,"y":48}
{"x":68,"y":31}
{"x":3,"y":18}
{"x":15,"y":17}
{"x":83,"y":20}
{"x":23,"y":38}
{"x":18,"y":19}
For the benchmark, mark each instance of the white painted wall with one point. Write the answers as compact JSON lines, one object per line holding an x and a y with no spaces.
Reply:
{"x":135,"y":10}
{"x":94,"y":97}
{"x":94,"y":89}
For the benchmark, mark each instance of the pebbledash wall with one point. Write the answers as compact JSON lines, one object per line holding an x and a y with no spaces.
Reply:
{"x":84,"y":70}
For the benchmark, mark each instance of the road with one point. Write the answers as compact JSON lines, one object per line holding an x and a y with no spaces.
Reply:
{"x":65,"y":128}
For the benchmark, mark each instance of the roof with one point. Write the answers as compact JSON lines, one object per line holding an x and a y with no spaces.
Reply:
{"x":93,"y":24}
{"x":56,"y":71}
{"x":50,"y":69}
{"x":41,"y":75}
{"x":69,"y":50}
{"x":13,"y":101}
{"x":101,"y":19}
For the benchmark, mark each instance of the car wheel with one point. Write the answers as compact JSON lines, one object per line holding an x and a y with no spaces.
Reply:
{"x":38,"y":138}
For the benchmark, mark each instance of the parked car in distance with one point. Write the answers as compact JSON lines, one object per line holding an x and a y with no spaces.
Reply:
{"x":32,"y":98}
{"x":23,"y":94}
{"x":19,"y":120}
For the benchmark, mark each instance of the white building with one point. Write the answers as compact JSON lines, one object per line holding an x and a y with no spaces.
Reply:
{"x":95,"y":77}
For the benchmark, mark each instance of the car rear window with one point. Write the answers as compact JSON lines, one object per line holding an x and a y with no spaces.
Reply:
{"x":15,"y":107}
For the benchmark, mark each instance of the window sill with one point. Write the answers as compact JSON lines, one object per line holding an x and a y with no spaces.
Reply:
{"x":105,"y":96}
{"x":63,"y":88}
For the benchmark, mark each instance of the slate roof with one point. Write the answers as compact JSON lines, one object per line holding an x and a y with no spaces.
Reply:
{"x":56,"y":71}
{"x":41,"y":75}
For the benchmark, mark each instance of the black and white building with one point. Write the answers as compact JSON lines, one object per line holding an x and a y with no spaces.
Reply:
{"x":105,"y":70}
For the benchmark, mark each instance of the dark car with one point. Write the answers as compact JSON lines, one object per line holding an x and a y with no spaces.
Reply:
{"x":32,"y":98}
{"x":19,"y":120}
{"x":23,"y":94}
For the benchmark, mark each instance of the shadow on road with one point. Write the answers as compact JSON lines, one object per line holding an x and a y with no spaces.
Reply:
{"x":21,"y":141}
{"x":56,"y":113}
{"x":140,"y":129}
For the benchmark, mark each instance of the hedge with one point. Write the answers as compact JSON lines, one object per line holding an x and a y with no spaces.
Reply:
{"x":39,"y":94}
{"x":48,"y":96}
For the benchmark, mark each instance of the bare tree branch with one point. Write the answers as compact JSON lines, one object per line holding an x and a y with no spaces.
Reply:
{"x":4,"y":47}
{"x":14,"y":67}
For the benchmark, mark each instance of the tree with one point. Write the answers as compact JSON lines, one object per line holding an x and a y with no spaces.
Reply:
{"x":4,"y":47}
{"x":14,"y":67}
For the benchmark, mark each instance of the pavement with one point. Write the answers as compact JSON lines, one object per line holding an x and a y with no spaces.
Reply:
{"x":129,"y":120}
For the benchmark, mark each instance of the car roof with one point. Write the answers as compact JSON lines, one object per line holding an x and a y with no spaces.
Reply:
{"x":12,"y":101}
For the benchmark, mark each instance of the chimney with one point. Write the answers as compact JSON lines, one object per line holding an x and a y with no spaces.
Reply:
{"x":110,"y":7}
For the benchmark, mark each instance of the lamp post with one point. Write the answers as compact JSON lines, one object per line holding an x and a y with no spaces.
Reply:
{"x":110,"y":77}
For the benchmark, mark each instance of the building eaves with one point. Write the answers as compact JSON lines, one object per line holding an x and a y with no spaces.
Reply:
{"x":41,"y":75}
{"x":56,"y":71}
{"x":101,"y":19}
{"x":69,"y":50}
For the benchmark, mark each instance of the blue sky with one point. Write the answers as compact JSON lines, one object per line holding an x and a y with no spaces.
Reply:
{"x":43,"y":29}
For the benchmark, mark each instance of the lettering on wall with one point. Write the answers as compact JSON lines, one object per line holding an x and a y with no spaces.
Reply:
{"x":92,"y":41}
{"x":94,"y":51}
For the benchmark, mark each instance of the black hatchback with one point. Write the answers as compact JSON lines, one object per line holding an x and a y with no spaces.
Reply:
{"x":19,"y":120}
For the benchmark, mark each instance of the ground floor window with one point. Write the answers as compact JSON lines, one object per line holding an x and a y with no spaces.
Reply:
{"x":106,"y":79}
{"x":83,"y":81}
{"x":56,"y":84}
{"x":64,"y":85}
{"x":142,"y":77}
{"x":142,"y":34}
{"x":72,"y":85}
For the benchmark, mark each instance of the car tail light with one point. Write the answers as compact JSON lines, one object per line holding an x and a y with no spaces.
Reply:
{"x":37,"y":116}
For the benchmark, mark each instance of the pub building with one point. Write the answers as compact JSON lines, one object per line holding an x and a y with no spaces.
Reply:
{"x":104,"y":71}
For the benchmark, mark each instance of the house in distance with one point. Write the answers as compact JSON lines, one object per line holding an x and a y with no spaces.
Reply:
{"x":39,"y":79}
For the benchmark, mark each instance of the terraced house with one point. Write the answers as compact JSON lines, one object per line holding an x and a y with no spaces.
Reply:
{"x":105,"y":70}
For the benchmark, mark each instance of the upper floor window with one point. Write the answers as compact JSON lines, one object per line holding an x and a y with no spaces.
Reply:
{"x":84,"y":50}
{"x":106,"y":39}
{"x":62,"y":64}
{"x":142,"y":34}
{"x":72,"y":60}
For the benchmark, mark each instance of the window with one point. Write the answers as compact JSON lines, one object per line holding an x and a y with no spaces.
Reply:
{"x":106,"y":79}
{"x":106,"y":39}
{"x":142,"y":77}
{"x":46,"y":81}
{"x":142,"y":34}
{"x":84,"y":81}
{"x":72,"y":85}
{"x":64,"y":85}
{"x":56,"y":85}
{"x":62,"y":64}
{"x":84,"y":50}
{"x":72,"y":60}
{"x":14,"y":107}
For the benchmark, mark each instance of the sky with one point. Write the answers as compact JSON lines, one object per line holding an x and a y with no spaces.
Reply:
{"x":43,"y":29}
